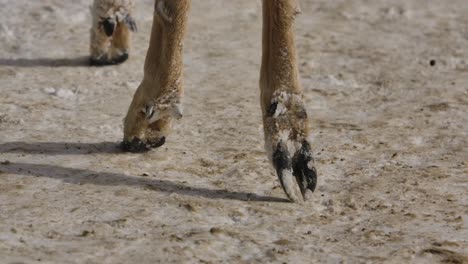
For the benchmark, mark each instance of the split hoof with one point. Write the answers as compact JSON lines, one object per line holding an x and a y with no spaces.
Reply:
{"x":296,"y":172}
{"x":137,"y":145}
{"x":105,"y":62}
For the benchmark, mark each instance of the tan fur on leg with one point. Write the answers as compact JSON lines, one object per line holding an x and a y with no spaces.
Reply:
{"x":158,"y":98}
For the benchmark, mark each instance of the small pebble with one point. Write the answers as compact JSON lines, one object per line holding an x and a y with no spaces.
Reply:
{"x":65,"y":94}
{"x":50,"y":90}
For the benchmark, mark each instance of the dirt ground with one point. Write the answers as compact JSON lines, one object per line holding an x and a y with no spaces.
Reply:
{"x":386,"y":86}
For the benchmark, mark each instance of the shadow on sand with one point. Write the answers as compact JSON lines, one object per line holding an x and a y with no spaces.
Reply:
{"x":82,"y":61}
{"x":84,"y":176}
{"x":60,"y":148}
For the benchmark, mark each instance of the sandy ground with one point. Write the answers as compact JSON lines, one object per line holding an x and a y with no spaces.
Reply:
{"x":389,"y":137}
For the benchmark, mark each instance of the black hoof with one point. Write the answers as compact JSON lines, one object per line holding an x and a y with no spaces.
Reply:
{"x":299,"y":166}
{"x":306,"y":176}
{"x":106,"y":62}
{"x":138,"y":146}
{"x":121,"y":59}
{"x":281,"y":162}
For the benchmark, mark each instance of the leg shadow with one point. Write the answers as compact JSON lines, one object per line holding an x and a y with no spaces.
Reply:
{"x":46,"y":62}
{"x":82,"y":176}
{"x":60,"y":148}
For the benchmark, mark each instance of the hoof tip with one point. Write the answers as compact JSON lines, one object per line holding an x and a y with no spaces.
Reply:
{"x":105,"y":62}
{"x":138,"y":146}
{"x":297,"y":175}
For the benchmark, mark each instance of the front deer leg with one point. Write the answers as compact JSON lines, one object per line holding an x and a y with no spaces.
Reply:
{"x":284,"y":115}
{"x":158,"y":98}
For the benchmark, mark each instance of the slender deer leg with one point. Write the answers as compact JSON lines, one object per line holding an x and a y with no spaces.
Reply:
{"x":284,"y":115}
{"x":110,"y":33}
{"x":158,"y":98}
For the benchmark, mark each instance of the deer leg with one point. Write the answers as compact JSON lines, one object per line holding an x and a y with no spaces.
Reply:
{"x":111,"y":31}
{"x":284,"y":114}
{"x":157,"y":100}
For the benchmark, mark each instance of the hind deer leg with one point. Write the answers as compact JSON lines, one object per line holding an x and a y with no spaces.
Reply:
{"x":111,"y":31}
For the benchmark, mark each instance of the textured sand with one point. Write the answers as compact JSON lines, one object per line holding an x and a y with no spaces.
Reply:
{"x":389,"y":137}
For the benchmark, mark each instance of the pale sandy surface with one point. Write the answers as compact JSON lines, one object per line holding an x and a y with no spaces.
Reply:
{"x":389,"y":136}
